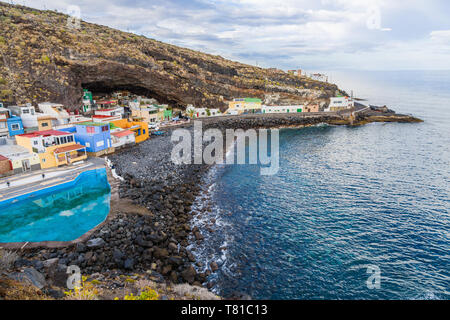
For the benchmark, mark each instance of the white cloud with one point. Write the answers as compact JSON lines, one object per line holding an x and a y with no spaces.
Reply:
{"x":441,"y":36}
{"x":290,"y":33}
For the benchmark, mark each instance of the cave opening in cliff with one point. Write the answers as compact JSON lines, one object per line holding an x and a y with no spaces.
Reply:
{"x":104,"y":89}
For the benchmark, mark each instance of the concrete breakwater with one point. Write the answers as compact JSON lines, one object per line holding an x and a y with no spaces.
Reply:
{"x":154,"y":238}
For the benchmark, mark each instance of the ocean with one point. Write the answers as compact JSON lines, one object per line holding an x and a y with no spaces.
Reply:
{"x":353,"y":213}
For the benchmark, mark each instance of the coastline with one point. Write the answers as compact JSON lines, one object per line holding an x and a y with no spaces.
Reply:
{"x":135,"y":187}
{"x":149,"y":229}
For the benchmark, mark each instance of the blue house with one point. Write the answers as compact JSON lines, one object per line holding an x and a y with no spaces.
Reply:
{"x":15,"y":126}
{"x":10,"y":125}
{"x":95,"y":136}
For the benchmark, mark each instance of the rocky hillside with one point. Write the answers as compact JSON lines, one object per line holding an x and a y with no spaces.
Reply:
{"x":45,"y":58}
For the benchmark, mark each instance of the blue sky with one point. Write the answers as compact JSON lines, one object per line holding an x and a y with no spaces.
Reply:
{"x":289,"y":34}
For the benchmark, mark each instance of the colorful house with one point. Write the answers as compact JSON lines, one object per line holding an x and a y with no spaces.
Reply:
{"x":106,"y":104}
{"x":21,"y":159}
{"x":140,"y":128}
{"x":149,"y":114}
{"x":121,"y":138}
{"x":311,"y":108}
{"x":88,"y":101}
{"x":115,"y":111}
{"x":55,"y":148}
{"x":15,"y":126}
{"x":4,"y":115}
{"x":282,"y":109}
{"x":244,"y":105}
{"x":47,"y":123}
{"x":5,"y":166}
{"x":10,"y":125}
{"x":29,"y":116}
{"x":96,"y":137}
{"x":167,"y":114}
{"x":105,"y":118}
{"x":56,"y":111}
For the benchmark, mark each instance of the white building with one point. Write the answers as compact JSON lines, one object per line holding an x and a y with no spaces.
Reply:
{"x":105,"y":119}
{"x":283,"y":109}
{"x":55,"y":110}
{"x":21,"y":159}
{"x":28,"y":115}
{"x":202,"y":112}
{"x":120,"y":138}
{"x":134,"y":105}
{"x":319,"y":77}
{"x":4,"y":131}
{"x":340,"y":103}
{"x":112,"y":112}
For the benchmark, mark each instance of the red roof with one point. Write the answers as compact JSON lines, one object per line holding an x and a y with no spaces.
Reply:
{"x":2,"y":158}
{"x":69,"y":148}
{"x":45,"y":133}
{"x":102,"y":116}
{"x":122,"y":133}
{"x":101,"y":110}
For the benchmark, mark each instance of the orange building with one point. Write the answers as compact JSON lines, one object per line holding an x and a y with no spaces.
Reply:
{"x":54,"y":148}
{"x":139,"y":128}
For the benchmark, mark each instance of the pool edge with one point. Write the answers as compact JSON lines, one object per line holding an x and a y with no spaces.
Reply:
{"x":82,"y":238}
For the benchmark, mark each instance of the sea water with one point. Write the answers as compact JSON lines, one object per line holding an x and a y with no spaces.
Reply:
{"x":346,"y":201}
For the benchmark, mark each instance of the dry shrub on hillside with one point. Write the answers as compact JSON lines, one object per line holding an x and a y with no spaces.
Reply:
{"x":197,"y":293}
{"x":7,"y":259}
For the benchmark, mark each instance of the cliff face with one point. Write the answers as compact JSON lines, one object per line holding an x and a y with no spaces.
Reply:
{"x":45,"y":59}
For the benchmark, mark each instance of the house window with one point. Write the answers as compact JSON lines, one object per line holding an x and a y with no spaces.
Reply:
{"x":63,"y":140}
{"x":35,"y":142}
{"x":70,"y":139}
{"x":105,"y":128}
{"x":90,"y":129}
{"x":44,"y":124}
{"x":25,"y":111}
{"x":15,"y":127}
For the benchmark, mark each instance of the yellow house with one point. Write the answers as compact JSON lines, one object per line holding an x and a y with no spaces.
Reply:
{"x":46,"y":123}
{"x":148,"y":114}
{"x":21,"y":159}
{"x":244,"y":105}
{"x":54,"y":148}
{"x":140,"y":128}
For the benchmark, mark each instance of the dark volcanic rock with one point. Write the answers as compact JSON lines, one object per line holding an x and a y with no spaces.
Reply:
{"x":189,"y":274}
{"x":103,"y":59}
{"x":95,"y":243}
{"x":129,"y":264}
{"x":31,"y":276}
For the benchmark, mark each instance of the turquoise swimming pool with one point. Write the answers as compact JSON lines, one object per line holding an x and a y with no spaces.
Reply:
{"x":60,"y":213}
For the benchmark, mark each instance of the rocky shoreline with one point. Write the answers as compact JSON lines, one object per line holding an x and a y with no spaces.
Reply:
{"x":150,"y":236}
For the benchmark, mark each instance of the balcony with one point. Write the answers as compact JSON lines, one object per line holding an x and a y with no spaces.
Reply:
{"x":70,"y":154}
